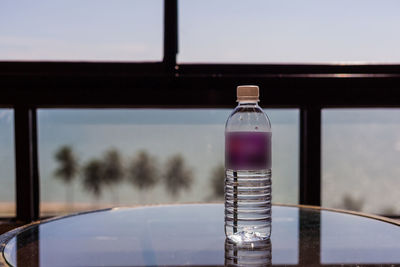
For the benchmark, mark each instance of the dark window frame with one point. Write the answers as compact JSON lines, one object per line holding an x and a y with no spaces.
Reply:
{"x":27,"y":86}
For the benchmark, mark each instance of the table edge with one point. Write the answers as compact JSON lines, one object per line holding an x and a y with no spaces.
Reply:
{"x":7,"y":236}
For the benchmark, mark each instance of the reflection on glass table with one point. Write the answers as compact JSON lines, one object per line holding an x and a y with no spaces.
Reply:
{"x":193,"y":235}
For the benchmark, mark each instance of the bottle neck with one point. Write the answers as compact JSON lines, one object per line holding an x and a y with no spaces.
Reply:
{"x":248,"y":103}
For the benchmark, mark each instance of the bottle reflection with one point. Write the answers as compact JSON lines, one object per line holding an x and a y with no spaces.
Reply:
{"x":248,"y":254}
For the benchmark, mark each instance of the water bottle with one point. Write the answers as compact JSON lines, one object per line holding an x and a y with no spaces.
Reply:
{"x":248,"y":170}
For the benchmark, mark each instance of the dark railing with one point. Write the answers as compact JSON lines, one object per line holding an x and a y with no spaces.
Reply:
{"x":27,"y":86}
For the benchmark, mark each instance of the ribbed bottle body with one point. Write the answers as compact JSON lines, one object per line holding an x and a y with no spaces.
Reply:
{"x":248,"y":205}
{"x":248,"y":174}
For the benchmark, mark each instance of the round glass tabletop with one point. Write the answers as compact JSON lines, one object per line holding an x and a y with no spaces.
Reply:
{"x":193,"y":235}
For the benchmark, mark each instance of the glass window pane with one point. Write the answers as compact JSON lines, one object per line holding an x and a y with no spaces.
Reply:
{"x":90,"y":30}
{"x":155,"y":147}
{"x":285,"y":155}
{"x":285,"y":31}
{"x":361,"y":160}
{"x":7,"y":163}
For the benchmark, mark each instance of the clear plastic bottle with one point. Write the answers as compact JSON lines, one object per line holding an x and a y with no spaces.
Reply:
{"x":248,"y":170}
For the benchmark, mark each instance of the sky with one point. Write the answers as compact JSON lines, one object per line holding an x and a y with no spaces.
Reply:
{"x":81,"y":30}
{"x":258,"y":31}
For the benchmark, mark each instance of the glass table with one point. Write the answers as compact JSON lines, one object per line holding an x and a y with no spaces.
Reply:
{"x":193,"y":235}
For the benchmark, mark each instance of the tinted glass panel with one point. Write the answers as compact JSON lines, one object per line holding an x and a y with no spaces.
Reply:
{"x":166,"y":156}
{"x":361,"y":160}
{"x":7,"y":164}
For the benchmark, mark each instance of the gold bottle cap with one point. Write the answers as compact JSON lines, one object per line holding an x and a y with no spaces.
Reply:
{"x":249,"y":93}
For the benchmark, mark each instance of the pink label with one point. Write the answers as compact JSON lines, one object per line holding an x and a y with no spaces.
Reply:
{"x":248,"y":150}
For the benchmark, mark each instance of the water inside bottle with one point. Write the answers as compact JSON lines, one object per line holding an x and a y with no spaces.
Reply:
{"x":248,"y":205}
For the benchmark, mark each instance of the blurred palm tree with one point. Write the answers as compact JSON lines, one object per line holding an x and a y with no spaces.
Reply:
{"x":389,"y":211}
{"x":93,"y":177}
{"x":217,"y":182}
{"x":351,"y":203}
{"x":113,"y":171}
{"x":143,"y":172}
{"x":177,"y":175}
{"x":67,"y":170}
